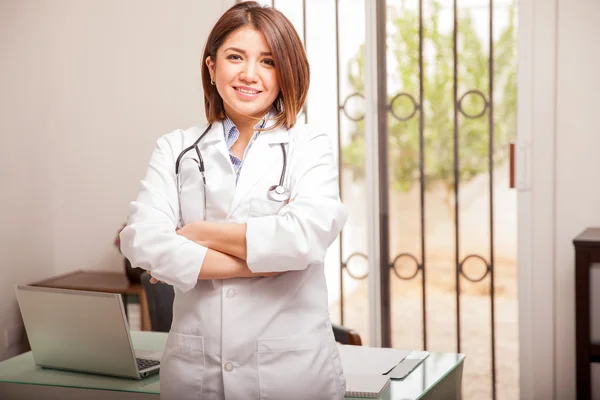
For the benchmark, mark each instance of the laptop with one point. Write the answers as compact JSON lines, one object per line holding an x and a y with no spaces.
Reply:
{"x":82,"y":331}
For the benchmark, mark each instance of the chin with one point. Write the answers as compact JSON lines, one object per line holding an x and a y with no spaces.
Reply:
{"x":252,"y":110}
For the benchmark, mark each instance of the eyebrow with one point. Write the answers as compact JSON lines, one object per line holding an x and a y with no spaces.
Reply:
{"x":264,"y":53}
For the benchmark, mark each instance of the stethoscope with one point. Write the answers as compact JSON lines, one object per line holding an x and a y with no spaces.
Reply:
{"x":276,"y":192}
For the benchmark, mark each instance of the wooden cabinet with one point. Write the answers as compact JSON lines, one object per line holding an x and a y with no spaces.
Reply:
{"x":587,"y":254}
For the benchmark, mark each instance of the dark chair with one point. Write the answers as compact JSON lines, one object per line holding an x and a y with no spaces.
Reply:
{"x":160,"y":298}
{"x":345,"y":335}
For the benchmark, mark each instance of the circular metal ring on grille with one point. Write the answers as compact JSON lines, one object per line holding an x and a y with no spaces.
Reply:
{"x":416,"y":106}
{"x":488,"y":268}
{"x":418,"y":266}
{"x":476,"y":93}
{"x":356,"y":274}
{"x":343,"y":107}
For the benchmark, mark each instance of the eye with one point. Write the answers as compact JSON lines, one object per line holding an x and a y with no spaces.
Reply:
{"x":269,"y":61}
{"x":234,"y":57}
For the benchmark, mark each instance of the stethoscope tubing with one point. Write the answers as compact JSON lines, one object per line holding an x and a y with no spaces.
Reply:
{"x":277,"y":193}
{"x":193,"y":146}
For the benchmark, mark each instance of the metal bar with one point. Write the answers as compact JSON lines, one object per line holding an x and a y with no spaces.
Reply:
{"x":304,"y":39}
{"x":384,"y":213}
{"x":304,"y":22}
{"x":339,"y":137}
{"x":422,"y":172}
{"x":491,"y":170}
{"x":456,"y":175}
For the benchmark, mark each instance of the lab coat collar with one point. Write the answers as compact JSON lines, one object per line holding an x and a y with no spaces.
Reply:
{"x":264,"y":155}
{"x":215,"y":134}
{"x":213,"y":145}
{"x":277,"y":135}
{"x":215,"y":139}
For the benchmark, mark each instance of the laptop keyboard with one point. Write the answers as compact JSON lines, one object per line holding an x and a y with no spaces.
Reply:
{"x":143,"y":363}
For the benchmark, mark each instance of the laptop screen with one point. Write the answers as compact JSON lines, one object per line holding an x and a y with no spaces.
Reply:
{"x":77,"y":330}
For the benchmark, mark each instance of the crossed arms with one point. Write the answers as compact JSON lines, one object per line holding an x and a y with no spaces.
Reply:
{"x":226,"y":255}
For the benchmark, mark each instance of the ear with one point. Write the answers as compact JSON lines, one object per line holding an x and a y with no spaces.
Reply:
{"x":211,"y":66}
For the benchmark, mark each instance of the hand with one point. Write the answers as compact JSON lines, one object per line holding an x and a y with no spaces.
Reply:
{"x":153,"y":280}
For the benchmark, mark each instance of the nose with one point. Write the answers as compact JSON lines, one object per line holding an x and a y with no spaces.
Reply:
{"x":249,"y":72}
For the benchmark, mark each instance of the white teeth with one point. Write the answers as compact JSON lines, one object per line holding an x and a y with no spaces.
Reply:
{"x":246,"y":91}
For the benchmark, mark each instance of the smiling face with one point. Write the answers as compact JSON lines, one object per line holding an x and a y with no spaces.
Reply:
{"x":245,"y":75}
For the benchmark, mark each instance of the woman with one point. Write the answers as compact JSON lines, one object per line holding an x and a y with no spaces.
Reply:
{"x":244,"y":250}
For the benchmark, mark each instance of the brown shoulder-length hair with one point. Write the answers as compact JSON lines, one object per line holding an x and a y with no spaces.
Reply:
{"x":291,"y":63}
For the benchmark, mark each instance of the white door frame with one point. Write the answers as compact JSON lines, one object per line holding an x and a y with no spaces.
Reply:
{"x":535,"y":166}
{"x":374,"y":111}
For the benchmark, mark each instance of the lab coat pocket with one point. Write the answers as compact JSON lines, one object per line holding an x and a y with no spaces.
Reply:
{"x":298,"y":367}
{"x":182,"y":367}
{"x":263,"y":207}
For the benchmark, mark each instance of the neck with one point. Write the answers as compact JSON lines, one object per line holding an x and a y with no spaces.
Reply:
{"x":245,"y":126}
{"x":244,"y":123}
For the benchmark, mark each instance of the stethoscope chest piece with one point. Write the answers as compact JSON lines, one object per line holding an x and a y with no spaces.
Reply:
{"x":279,"y":193}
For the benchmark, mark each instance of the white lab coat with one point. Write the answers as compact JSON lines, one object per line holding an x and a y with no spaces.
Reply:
{"x":245,"y":338}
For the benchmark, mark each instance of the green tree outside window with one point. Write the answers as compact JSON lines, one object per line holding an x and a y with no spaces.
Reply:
{"x":473,"y":73}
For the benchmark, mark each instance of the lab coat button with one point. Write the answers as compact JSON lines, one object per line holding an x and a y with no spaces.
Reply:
{"x":230,"y":293}
{"x":228,"y":367}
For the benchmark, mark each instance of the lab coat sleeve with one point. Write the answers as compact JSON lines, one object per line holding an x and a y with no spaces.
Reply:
{"x":150,"y":240}
{"x":301,"y":232}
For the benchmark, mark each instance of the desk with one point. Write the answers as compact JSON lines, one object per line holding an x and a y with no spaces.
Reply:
{"x":438,"y":377}
{"x":109,"y":282}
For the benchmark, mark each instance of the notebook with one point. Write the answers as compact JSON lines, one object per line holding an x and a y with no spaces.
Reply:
{"x":364,"y":360}
{"x":366,"y":386}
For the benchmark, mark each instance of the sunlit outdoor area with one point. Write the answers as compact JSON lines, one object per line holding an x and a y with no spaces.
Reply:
{"x":450,"y":201}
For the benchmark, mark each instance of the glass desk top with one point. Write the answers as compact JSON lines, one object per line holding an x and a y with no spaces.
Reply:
{"x":22,"y":370}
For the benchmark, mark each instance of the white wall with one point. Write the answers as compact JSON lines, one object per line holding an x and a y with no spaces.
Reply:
{"x":558,"y":129}
{"x":577,"y":165}
{"x":86,"y":88}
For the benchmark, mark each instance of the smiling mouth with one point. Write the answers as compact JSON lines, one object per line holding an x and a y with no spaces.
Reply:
{"x":247,"y":91}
